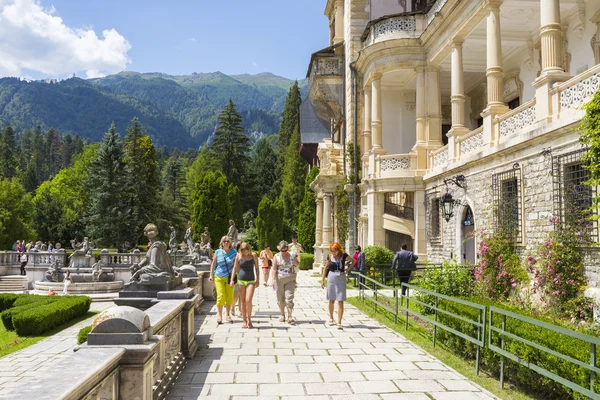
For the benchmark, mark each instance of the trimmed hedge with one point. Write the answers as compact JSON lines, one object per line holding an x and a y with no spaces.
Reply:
{"x":82,"y":334}
{"x":23,"y":303}
{"x":518,"y":374}
{"x":7,"y":300}
{"x":306,"y":261}
{"x":48,"y":316}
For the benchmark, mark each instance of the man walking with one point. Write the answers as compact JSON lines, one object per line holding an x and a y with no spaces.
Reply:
{"x":404,"y":263}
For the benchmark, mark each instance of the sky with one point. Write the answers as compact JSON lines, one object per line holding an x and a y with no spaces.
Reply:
{"x":93,"y":38}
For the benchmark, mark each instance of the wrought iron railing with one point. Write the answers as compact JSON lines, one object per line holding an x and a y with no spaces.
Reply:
{"x":399,"y":211}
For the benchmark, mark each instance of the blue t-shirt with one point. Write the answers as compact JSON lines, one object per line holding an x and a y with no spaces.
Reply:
{"x":225,"y":262}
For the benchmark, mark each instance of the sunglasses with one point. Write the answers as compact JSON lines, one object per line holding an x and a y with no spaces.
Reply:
{"x":226,"y":241}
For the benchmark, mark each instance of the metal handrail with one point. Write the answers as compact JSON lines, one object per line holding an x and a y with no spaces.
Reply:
{"x":480,"y":324}
{"x":502,"y":332}
{"x":362,"y":285}
{"x":399,"y":211}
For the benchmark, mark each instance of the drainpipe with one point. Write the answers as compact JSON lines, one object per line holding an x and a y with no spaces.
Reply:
{"x":354,"y":155}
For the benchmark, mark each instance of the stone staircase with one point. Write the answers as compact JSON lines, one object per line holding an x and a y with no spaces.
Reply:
{"x":13,"y":283}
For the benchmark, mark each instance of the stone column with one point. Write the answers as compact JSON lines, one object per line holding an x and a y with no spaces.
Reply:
{"x":319,"y":223}
{"x":327,"y":228}
{"x":375,"y":231}
{"x":457,"y":99}
{"x":421,"y":114}
{"x":495,"y":75}
{"x":433,"y":106}
{"x":420,"y":242}
{"x":339,"y":21}
{"x":367,"y":120}
{"x":494,"y":72}
{"x":551,"y":37}
{"x":376,"y":122}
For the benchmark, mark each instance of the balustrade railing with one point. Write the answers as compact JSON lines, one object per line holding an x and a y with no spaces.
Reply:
{"x":440,"y":157}
{"x":471,"y":142}
{"x":399,"y":211}
{"x":579,"y":89}
{"x":517,"y":119}
{"x":396,"y":164}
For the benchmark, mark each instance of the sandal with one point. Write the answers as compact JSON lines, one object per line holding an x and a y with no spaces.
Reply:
{"x":229,"y":319}
{"x":282,"y":319}
{"x":250,"y":326}
{"x":291,"y":321}
{"x":340,"y":327}
{"x":219,"y":320}
{"x":245,"y":326}
{"x":331,"y":322}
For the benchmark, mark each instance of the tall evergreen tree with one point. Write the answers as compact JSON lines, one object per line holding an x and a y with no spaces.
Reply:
{"x":269,"y":222}
{"x":230,"y":146}
{"x":290,"y":118}
{"x":53,"y":148}
{"x":210,"y":205}
{"x":174,"y":200}
{"x":307,"y":214}
{"x":109,"y":218}
{"x":25,"y":150}
{"x":264,"y":167}
{"x":8,"y":155}
{"x":236,"y":205}
{"x":65,"y":150}
{"x":294,"y":175}
{"x":77,"y":147}
{"x":142,"y":178}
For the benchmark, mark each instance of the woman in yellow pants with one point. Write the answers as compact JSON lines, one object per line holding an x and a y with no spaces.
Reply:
{"x":222,"y":268}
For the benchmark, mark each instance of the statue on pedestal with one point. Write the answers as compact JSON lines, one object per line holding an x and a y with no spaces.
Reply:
{"x":188,"y":238}
{"x":233,"y":233}
{"x":172,"y":240}
{"x":205,"y":249}
{"x":156,"y":269}
{"x":81,"y":257}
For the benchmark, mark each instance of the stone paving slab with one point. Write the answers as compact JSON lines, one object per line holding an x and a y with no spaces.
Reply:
{"x":17,"y":368}
{"x":312,"y":360}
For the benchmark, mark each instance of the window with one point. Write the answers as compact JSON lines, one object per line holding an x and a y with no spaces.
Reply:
{"x":514,"y":103}
{"x":395,"y":240}
{"x":399,"y":204}
{"x":572,"y":197}
{"x":445,"y":129}
{"x":433,"y":217}
{"x":506,"y":187}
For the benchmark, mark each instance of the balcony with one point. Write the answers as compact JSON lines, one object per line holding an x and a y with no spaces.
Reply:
{"x":395,"y":166}
{"x":399,"y":211}
{"x":326,"y":84}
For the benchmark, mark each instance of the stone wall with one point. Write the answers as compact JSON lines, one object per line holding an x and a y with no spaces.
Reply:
{"x":537,"y":198}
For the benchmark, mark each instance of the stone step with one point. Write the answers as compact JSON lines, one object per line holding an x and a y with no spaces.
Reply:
{"x":13,"y":283}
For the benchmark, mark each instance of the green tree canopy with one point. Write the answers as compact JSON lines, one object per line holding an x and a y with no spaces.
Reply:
{"x":294,"y":175}
{"x":109,"y":218}
{"x":591,"y":138}
{"x":264,"y":169}
{"x":8,"y":156}
{"x":307,"y":214}
{"x":236,"y":205}
{"x":210,"y":205}
{"x":15,"y":213}
{"x":269,"y":222}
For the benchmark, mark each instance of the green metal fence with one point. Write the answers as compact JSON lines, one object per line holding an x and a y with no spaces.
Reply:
{"x":381,"y":294}
{"x":503,"y":333}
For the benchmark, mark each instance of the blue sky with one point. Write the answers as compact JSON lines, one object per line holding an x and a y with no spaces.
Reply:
{"x":177,"y":37}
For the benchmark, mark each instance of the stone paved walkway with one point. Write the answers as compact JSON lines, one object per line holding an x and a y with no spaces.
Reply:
{"x":276,"y":361}
{"x":18,"y":367}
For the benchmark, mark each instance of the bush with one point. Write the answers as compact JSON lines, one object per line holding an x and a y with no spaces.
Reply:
{"x":7,"y":300}
{"x":82,"y":334}
{"x":48,"y":316}
{"x":30,"y":302}
{"x":518,"y":374}
{"x":252,"y":238}
{"x":452,"y":279}
{"x":306,"y":261}
{"x":378,"y":255}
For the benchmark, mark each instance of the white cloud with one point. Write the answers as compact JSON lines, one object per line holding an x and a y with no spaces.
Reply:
{"x":33,"y":38}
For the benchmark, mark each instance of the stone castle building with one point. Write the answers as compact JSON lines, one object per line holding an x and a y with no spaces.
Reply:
{"x":480,"y":99}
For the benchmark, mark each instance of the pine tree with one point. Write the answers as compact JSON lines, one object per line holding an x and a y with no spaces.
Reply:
{"x":8,"y":156}
{"x":264,"y":167}
{"x":236,"y":205}
{"x":109,"y":218}
{"x":290,"y":118}
{"x":53,"y":154}
{"x":142,"y":178}
{"x":210,"y":206}
{"x":269,"y":222}
{"x":174,"y":199}
{"x":65,"y":150}
{"x":294,"y":175}
{"x":230,"y":146}
{"x":307,"y":214}
{"x":77,"y":147}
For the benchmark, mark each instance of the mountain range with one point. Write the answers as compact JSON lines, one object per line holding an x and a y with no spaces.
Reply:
{"x":177,"y":111}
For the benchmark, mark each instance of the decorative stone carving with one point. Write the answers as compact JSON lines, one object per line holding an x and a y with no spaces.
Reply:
{"x":410,"y":99}
{"x":395,"y":25}
{"x":518,"y":121}
{"x":172,"y":240}
{"x":575,"y":95}
{"x":528,"y":56}
{"x":513,"y":86}
{"x":578,"y":20}
{"x":435,"y":10}
{"x":187,"y":238}
{"x":472,"y":143}
{"x":233,"y":233}
{"x":395,"y":163}
{"x":441,"y":158}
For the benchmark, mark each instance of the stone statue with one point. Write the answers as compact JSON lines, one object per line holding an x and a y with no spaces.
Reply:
{"x":233,"y":233}
{"x":156,"y":267}
{"x":188,"y":238}
{"x":82,"y":256}
{"x":172,"y":240}
{"x":80,"y":250}
{"x":205,"y":249}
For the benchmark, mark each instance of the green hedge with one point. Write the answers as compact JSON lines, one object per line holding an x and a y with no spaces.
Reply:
{"x":513,"y":372}
{"x":306,"y":261}
{"x":7,"y":300}
{"x":48,"y":316}
{"x":82,"y":334}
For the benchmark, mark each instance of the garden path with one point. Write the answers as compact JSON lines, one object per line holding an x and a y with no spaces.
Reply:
{"x":365,"y":360}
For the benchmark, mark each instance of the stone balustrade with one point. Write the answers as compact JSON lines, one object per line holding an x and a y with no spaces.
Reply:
{"x":396,"y":165}
{"x":471,"y":142}
{"x":572,"y":94}
{"x":130,"y":354}
{"x":439,"y":157}
{"x":515,"y":120}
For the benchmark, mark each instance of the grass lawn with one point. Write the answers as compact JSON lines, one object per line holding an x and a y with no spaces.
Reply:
{"x":11,"y":342}
{"x":421,"y":336}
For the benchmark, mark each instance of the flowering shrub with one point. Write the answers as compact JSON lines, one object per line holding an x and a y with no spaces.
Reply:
{"x":499,"y":270}
{"x":558,"y":269}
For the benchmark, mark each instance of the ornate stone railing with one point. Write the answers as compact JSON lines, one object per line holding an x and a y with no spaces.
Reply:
{"x":471,"y":142}
{"x":389,"y":26}
{"x":396,"y":165}
{"x":517,"y":119}
{"x":578,"y":90}
{"x":440,"y":157}
{"x":327,"y":65}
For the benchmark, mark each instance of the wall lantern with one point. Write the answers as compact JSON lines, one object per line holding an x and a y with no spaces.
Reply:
{"x":447,"y":201}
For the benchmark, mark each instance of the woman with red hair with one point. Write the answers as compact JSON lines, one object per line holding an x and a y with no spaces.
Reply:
{"x":336,"y":271}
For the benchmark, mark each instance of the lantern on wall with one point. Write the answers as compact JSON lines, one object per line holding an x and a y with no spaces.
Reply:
{"x":447,"y":202}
